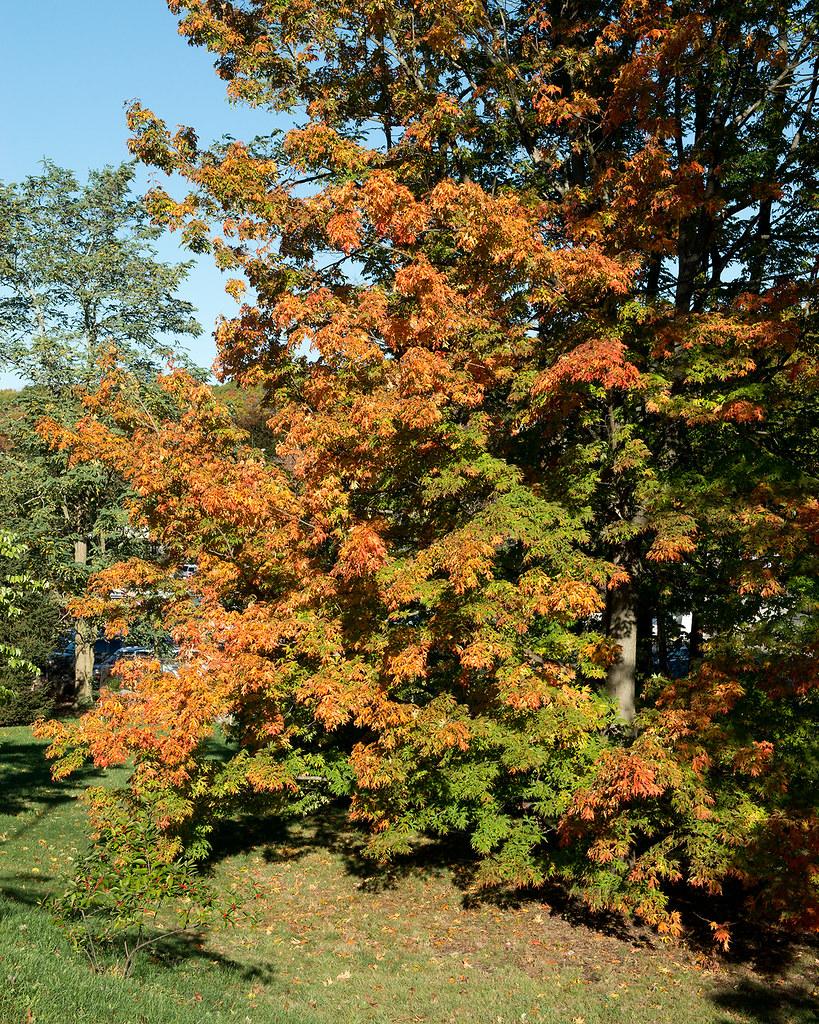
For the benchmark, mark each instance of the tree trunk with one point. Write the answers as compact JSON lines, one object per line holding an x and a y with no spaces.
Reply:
{"x":83,"y":644}
{"x":622,"y":627}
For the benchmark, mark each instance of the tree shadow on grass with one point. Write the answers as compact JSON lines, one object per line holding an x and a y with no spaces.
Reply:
{"x":560,"y":904}
{"x":171,"y":951}
{"x":25,"y":779}
{"x":784,"y":988}
{"x":280,"y":840}
{"x":767,"y":949}
{"x":167,"y":952}
{"x":763,"y":1002}
{"x":26,"y":889}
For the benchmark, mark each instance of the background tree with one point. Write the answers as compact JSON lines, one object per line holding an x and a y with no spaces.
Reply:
{"x":79,"y":278}
{"x":24,"y":609}
{"x":531,"y":286}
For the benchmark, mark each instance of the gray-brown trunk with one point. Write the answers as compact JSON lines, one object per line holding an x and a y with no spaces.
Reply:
{"x":83,"y":644}
{"x":622,"y":627}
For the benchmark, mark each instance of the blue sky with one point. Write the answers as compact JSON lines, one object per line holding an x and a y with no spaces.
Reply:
{"x":67,"y":67}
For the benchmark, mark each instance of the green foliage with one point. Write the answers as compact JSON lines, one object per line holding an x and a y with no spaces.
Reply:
{"x":28,"y":618}
{"x":79,"y":274}
{"x":29,"y":695}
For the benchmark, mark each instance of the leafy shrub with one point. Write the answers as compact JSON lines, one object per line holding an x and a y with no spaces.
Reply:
{"x":134,"y":887}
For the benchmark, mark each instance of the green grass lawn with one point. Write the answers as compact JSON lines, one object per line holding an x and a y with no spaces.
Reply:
{"x":333,"y":943}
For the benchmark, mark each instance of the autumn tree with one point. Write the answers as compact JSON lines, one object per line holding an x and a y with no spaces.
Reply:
{"x":531,"y":296}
